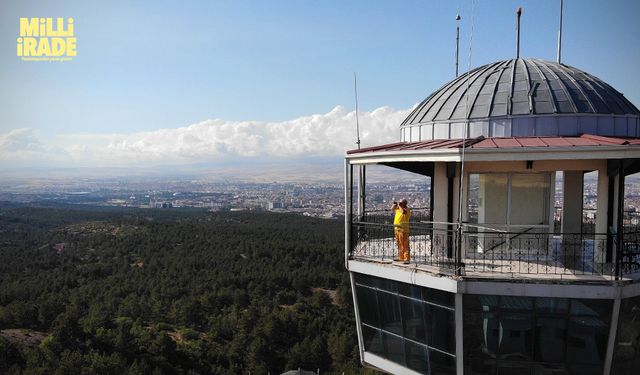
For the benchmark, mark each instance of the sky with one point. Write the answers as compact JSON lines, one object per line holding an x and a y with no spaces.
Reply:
{"x":171,"y":83}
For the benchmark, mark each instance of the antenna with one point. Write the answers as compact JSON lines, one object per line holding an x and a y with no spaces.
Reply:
{"x":519,"y":13}
{"x":461,"y":182}
{"x":355,"y":88}
{"x":560,"y":34}
{"x":458,"y":18}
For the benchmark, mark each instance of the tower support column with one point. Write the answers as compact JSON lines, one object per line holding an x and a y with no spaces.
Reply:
{"x":440,"y":186}
{"x":572,"y":202}
{"x":602,"y":213}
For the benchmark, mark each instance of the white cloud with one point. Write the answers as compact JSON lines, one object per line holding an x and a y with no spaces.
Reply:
{"x":329,"y":134}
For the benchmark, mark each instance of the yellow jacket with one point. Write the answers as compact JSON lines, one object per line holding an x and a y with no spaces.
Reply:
{"x":401,"y":219}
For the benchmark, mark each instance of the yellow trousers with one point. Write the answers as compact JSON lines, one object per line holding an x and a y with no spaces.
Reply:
{"x":402,"y":240}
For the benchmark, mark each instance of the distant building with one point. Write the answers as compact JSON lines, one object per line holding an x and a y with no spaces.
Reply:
{"x":273,"y":205}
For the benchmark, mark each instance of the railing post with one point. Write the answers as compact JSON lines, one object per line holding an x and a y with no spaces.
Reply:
{"x":618,"y":246}
{"x":458,"y":251}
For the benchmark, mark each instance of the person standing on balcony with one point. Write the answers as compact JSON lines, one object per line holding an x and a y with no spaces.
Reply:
{"x":401,"y":229}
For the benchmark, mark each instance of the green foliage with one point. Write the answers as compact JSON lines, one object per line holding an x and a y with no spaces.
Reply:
{"x":173,"y":292}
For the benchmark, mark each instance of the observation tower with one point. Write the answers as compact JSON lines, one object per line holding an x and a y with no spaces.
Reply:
{"x":501,"y":280}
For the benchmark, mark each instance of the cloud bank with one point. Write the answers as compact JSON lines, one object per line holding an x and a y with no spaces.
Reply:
{"x":320,"y":135}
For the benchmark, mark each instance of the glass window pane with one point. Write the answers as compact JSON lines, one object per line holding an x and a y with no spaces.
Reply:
{"x":409,"y":290}
{"x":478,"y":328}
{"x":516,"y":336}
{"x":530,"y":199}
{"x":441,"y":131}
{"x":417,"y":359}
{"x":414,"y":133}
{"x":394,"y":346}
{"x":587,"y":340}
{"x":550,"y":339}
{"x":479,"y":366}
{"x":441,"y":331}
{"x":386,"y":284}
{"x":471,"y":302}
{"x":439,"y":297}
{"x":492,"y":199}
{"x":372,"y":341}
{"x":500,"y":128}
{"x":426,"y":132}
{"x":478,"y":128}
{"x":552,"y":305}
{"x":489,"y":303}
{"x":413,"y":315}
{"x":472,"y":209}
{"x":367,"y":306}
{"x":514,"y":369}
{"x":592,"y":307}
{"x":516,"y":303}
{"x":390,"y":312}
{"x":583,"y":369}
{"x":458,"y":130}
{"x":363,"y":279}
{"x":442,"y":364}
{"x":626,"y":357}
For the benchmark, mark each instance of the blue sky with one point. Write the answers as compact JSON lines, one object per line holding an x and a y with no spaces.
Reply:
{"x":149,"y":65}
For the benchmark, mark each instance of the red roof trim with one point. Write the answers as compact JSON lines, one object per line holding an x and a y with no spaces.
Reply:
{"x":501,"y":143}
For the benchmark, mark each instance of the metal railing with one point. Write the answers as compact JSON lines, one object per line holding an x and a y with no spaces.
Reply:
{"x":427,"y":246}
{"x":530,"y":250}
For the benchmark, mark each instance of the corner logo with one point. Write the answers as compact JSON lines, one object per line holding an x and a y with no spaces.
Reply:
{"x":46,"y":39}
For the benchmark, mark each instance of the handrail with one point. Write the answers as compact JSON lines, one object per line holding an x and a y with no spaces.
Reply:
{"x":529,"y":252}
{"x":511,"y":238}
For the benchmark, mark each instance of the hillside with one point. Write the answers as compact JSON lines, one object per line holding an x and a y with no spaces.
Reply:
{"x":172,"y":292}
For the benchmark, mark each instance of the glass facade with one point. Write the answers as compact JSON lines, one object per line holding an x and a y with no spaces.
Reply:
{"x":407,"y":324}
{"x":626,"y":355}
{"x":527,"y":335}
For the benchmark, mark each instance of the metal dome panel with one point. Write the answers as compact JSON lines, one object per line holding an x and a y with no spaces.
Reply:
{"x":557,"y":99}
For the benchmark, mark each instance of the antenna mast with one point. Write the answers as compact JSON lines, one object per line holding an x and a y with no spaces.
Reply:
{"x":355,"y":88}
{"x":560,"y":34}
{"x":458,"y":18}
{"x":519,"y":13}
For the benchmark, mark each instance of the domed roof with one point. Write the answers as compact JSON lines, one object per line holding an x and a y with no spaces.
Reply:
{"x":521,"y":87}
{"x":523,"y":97}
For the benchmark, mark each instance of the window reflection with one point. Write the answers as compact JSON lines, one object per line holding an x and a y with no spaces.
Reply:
{"x":550,"y":337}
{"x":513,"y":335}
{"x":409,"y":325}
{"x":389,"y":307}
{"x":626,"y":355}
{"x":413,"y":313}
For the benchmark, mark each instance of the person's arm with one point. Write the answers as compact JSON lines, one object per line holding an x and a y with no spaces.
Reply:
{"x":394,"y":207}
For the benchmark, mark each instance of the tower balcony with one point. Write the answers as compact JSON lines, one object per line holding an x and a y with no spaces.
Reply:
{"x":501,"y":208}
{"x":484,"y":253}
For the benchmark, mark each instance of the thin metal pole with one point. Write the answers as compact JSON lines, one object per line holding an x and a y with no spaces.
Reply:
{"x":560,"y":34}
{"x":355,"y":89}
{"x":519,"y":13}
{"x":362,"y":194}
{"x":459,"y":266}
{"x":458,"y":18}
